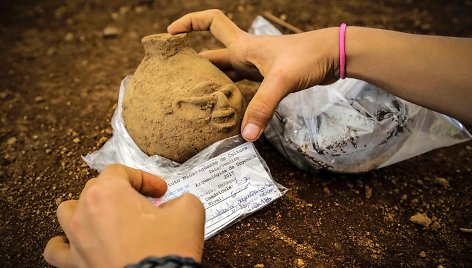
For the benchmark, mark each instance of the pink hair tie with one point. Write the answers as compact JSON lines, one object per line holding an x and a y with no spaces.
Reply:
{"x":342,"y":51}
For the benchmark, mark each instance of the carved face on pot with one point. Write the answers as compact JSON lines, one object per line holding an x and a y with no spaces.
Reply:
{"x":219,"y":105}
{"x":178,"y":103}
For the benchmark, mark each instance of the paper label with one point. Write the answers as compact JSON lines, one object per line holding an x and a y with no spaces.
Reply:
{"x":230,"y":186}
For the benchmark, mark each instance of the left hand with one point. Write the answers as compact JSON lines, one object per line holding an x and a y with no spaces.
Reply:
{"x":285,"y":64}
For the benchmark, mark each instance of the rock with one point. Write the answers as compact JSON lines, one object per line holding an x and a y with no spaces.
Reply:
{"x":299,"y":263}
{"x":326,"y":190}
{"x":139,"y":9}
{"x":76,"y":140}
{"x":115,"y":16}
{"x":368,"y":192}
{"x":123,"y":10}
{"x":442,"y":181}
{"x":69,"y":37}
{"x":3,"y":95}
{"x":11,"y":141}
{"x":259,"y":265}
{"x":51,"y":51}
{"x":435,"y":226}
{"x":421,"y":219}
{"x":423,"y":254}
{"x":102,"y":140}
{"x":58,"y":201}
{"x":9,"y":157}
{"x":110,"y":32}
{"x":39,"y":99}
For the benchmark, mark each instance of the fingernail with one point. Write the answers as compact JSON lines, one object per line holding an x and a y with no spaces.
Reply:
{"x":251,"y":131}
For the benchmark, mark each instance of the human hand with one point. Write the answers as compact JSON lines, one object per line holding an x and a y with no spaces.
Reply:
{"x":285,"y":64}
{"x":112,"y":224}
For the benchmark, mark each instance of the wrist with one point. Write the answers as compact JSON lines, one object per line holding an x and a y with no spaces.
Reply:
{"x":326,"y":42}
{"x":166,"y":262}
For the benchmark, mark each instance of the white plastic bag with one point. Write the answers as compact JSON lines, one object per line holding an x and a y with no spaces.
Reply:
{"x":229,"y":176}
{"x":352,"y":126}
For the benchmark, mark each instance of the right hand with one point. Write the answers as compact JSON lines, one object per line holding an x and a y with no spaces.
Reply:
{"x":285,"y":64}
{"x":112,"y":224}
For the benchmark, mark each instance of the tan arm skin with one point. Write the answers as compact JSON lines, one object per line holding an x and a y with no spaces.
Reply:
{"x":431,"y":71}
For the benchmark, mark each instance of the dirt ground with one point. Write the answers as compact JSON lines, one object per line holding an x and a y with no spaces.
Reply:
{"x":58,"y":87}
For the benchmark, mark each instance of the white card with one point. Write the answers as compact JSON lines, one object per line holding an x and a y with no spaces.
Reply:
{"x":230,"y":186}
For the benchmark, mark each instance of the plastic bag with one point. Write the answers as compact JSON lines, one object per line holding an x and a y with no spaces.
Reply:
{"x":229,"y":177}
{"x":351,"y":126}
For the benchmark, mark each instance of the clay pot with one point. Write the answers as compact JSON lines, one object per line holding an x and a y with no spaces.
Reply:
{"x":177,"y":102}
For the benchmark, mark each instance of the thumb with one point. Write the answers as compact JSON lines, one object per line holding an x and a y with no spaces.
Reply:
{"x":141,"y":181}
{"x":262,"y":107}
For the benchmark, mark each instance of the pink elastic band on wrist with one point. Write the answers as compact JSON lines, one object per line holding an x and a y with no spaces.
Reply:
{"x":342,"y":51}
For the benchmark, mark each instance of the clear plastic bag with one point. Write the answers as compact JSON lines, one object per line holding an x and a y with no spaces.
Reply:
{"x":229,"y":177}
{"x":351,"y":126}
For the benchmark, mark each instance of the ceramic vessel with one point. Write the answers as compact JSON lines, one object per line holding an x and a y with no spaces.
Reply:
{"x":177,"y":102}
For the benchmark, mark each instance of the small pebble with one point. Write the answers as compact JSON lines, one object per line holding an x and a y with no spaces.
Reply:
{"x":326,"y":190}
{"x":39,"y":99}
{"x":435,"y":226}
{"x":76,"y":140}
{"x":442,"y":181}
{"x":259,"y":265}
{"x":58,"y":201}
{"x":368,"y":192}
{"x":9,"y":157}
{"x":110,"y":31}
{"x":421,"y":219}
{"x":299,"y":263}
{"x":423,"y":254}
{"x":69,"y":37}
{"x":11,"y":141}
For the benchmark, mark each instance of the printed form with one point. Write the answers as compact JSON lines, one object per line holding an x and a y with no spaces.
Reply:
{"x":230,"y":186}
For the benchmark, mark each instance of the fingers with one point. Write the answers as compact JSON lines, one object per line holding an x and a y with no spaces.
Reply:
{"x":87,"y":185}
{"x":57,"y":252}
{"x":213,"y":20}
{"x":262,"y":107}
{"x":142,"y":181}
{"x":187,"y":201}
{"x":219,"y":57}
{"x":64,"y":212}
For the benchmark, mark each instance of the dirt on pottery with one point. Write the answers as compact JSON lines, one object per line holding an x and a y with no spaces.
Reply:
{"x":178,"y":103}
{"x":61,"y":66}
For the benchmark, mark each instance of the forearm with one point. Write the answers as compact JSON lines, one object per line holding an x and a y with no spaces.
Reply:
{"x":432,"y":71}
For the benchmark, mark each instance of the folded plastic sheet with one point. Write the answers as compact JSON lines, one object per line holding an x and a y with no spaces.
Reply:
{"x":352,"y":126}
{"x":229,"y":177}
